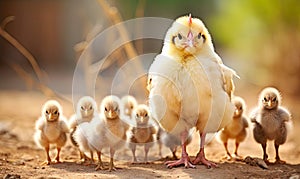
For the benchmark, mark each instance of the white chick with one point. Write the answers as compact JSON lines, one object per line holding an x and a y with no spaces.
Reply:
{"x":236,"y":129}
{"x":270,"y":120}
{"x":51,"y":128}
{"x":109,"y":131}
{"x":128,"y":103}
{"x":86,"y":110}
{"x":190,"y":86}
{"x":143,"y":133}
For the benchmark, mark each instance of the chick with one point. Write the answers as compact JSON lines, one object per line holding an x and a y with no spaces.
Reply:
{"x":172,"y":142}
{"x":143,"y":133}
{"x":109,"y":131}
{"x":51,"y":128}
{"x":236,"y":129}
{"x":128,"y":103}
{"x":86,"y":110}
{"x":270,"y":121}
{"x":189,"y":86}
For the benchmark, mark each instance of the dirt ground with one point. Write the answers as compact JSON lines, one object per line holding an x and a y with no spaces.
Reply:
{"x":20,"y":157}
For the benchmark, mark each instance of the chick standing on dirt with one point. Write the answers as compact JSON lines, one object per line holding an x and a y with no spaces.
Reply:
{"x":236,"y":129}
{"x":109,"y":131}
{"x":270,"y":120}
{"x":51,"y":128}
{"x":86,"y":110}
{"x":143,"y":133}
{"x":189,"y":86}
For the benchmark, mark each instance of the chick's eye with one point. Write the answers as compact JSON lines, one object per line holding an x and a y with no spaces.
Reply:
{"x":179,"y":36}
{"x":105,"y":109}
{"x":274,"y":99}
{"x":82,"y":108}
{"x":91,"y":107}
{"x":137,"y":115}
{"x":47,"y":112}
{"x":131,"y":107}
{"x":265,"y":99}
{"x":55,"y":112}
{"x":146,"y":115}
{"x":199,"y":36}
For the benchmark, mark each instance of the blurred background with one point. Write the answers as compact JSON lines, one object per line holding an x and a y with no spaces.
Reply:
{"x":259,"y":39}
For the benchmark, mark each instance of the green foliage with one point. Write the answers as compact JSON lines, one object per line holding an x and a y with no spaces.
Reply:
{"x":265,"y":33}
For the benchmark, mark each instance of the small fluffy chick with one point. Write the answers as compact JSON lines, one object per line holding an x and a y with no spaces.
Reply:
{"x":236,"y":129}
{"x":270,"y":120}
{"x":86,"y":110}
{"x":128,"y":103}
{"x":109,"y":131}
{"x":143,"y":133}
{"x":51,"y":128}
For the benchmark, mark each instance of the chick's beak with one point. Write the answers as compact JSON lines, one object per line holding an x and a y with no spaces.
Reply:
{"x":110,"y":114}
{"x":269,"y":103}
{"x":190,"y":39}
{"x":236,"y":112}
{"x":86,"y":112}
{"x":50,"y":116}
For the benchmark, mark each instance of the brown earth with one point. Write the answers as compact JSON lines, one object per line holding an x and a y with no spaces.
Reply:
{"x":19,"y":156}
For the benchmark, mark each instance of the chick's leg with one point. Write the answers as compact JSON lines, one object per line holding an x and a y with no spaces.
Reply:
{"x":280,"y":139}
{"x":278,"y":160}
{"x":184,"y":156}
{"x":200,"y":158}
{"x":133,"y":148}
{"x":100,"y":165}
{"x":146,"y":149}
{"x":236,"y":148}
{"x":57,"y":155}
{"x":265,"y":156}
{"x":227,"y":151}
{"x":48,"y":161}
{"x":159,"y":148}
{"x":173,"y":150}
{"x":112,"y":166}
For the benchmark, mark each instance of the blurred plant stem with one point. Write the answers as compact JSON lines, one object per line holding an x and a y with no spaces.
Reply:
{"x":40,"y":74}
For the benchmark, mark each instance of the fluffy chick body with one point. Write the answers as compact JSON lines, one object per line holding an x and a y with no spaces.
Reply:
{"x":270,"y":121}
{"x":109,"y":131}
{"x":236,"y":129}
{"x":143,"y":133}
{"x":51,"y":128}
{"x":86,"y":110}
{"x":189,"y":85}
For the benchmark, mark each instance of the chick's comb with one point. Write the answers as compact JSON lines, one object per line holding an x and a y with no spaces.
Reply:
{"x":190,"y":19}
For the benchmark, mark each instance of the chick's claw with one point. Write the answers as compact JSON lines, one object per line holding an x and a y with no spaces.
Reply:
{"x":183,"y":161}
{"x":46,"y":162}
{"x":201,"y":159}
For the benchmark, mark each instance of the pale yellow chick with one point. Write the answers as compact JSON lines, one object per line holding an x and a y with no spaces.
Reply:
{"x":51,"y":128}
{"x":189,"y":86}
{"x":236,"y":129}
